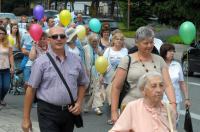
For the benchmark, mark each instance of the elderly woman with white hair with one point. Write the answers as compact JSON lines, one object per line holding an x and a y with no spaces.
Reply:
{"x":92,"y":52}
{"x":141,"y":62}
{"x":147,"y":113}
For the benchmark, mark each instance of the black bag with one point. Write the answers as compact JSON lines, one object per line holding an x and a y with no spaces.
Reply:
{"x":126,"y":86}
{"x":188,"y":121}
{"x":78,"y":120}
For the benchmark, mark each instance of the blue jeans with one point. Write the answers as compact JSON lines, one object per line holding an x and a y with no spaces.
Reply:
{"x":4,"y":82}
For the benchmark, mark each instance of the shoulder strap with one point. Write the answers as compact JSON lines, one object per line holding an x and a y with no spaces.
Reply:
{"x":129,"y":62}
{"x":61,"y":77}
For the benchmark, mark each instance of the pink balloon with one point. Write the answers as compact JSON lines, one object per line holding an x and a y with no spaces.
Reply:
{"x":35,"y":32}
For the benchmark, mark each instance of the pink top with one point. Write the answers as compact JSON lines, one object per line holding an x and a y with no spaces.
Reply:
{"x":138,"y":117}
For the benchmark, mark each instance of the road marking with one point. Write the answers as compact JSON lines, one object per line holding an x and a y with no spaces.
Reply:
{"x":193,"y":115}
{"x":192,"y":83}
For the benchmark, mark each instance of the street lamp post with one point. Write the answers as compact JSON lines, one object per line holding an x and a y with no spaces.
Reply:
{"x":0,"y":5}
{"x":128,"y":17}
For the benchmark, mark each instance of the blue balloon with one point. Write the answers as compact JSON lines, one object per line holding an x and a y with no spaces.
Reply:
{"x":95,"y":25}
{"x":38,"y":12}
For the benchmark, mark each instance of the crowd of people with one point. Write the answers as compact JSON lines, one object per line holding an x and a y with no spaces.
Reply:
{"x":155,"y":79}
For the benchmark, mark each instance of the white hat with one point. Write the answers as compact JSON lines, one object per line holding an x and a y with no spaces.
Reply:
{"x":70,"y":33}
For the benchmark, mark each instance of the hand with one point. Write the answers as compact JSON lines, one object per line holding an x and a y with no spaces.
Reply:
{"x":114,"y":116}
{"x":27,"y":125}
{"x":12,"y":70}
{"x":76,"y":109}
{"x":101,"y":79}
{"x":187,"y":103}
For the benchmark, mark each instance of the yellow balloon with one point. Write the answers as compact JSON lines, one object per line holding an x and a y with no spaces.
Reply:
{"x":101,"y":64}
{"x":11,"y":40}
{"x":81,"y":32}
{"x":65,"y":17}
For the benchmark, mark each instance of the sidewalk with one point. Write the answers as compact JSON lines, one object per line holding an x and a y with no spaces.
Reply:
{"x":11,"y":118}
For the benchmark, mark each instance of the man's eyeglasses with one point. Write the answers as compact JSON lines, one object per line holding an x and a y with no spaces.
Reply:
{"x":61,"y":36}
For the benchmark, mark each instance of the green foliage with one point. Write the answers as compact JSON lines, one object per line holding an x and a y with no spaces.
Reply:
{"x":175,"y":12}
{"x":128,"y":34}
{"x":174,"y":39}
{"x":123,"y":28}
{"x":138,"y":22}
{"x":140,"y":11}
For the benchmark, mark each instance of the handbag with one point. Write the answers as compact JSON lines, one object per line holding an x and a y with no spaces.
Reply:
{"x":126,"y":86}
{"x":78,"y":120}
{"x":188,"y":121}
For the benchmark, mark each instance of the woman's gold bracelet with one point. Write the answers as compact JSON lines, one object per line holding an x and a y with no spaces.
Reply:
{"x":187,"y":99}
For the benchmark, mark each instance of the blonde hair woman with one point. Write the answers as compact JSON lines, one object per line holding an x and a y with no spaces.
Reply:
{"x":6,"y":65}
{"x":113,"y":55}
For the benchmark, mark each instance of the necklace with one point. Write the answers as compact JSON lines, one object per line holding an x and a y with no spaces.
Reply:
{"x":143,"y":65}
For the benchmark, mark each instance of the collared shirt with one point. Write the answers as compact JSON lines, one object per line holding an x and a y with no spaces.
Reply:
{"x":176,"y":75}
{"x":138,"y":117}
{"x":46,"y":80}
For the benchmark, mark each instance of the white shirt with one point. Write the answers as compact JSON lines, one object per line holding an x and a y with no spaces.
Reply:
{"x":176,"y":75}
{"x":157,"y":43}
{"x":113,"y":58}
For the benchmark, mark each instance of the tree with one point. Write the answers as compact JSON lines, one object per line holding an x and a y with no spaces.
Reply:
{"x":94,"y":8}
{"x":174,"y":12}
{"x":113,"y":3}
{"x":140,"y":11}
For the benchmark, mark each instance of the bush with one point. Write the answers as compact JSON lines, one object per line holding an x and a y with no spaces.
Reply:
{"x":138,"y":22}
{"x":174,"y":39}
{"x":128,"y":34}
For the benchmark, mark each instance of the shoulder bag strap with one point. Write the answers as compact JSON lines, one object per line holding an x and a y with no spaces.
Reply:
{"x":129,"y":62}
{"x":61,"y":77}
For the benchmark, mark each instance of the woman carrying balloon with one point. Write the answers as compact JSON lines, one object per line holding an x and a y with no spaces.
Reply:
{"x":142,"y":61}
{"x":39,"y":48}
{"x":113,"y":54}
{"x":6,"y":65}
{"x":92,"y":52}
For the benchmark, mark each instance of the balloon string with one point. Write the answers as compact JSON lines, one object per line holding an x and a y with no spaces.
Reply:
{"x":187,"y":78}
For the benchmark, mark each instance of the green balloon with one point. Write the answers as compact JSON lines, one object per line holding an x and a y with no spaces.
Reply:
{"x":187,"y":32}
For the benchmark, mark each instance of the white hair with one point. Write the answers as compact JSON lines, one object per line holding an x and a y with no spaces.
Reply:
{"x":144,"y":79}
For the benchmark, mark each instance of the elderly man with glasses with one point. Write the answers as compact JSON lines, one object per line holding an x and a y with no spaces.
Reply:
{"x":55,"y":113}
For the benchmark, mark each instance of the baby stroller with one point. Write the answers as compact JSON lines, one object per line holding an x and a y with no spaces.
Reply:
{"x":17,"y":82}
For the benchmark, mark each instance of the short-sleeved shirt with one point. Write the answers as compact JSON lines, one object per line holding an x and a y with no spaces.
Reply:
{"x":113,"y":58}
{"x":46,"y":80}
{"x":176,"y":75}
{"x":4,"y":57}
{"x":139,"y":117}
{"x":136,"y":70}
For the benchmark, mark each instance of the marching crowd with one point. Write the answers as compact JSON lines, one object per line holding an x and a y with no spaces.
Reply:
{"x":154,"y":79}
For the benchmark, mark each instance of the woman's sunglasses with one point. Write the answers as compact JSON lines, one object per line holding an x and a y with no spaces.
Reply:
{"x":61,"y":36}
